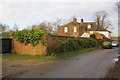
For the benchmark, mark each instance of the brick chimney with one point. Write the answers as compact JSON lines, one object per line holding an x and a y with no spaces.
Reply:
{"x":97,"y":20}
{"x":81,"y":20}
{"x":75,"y":19}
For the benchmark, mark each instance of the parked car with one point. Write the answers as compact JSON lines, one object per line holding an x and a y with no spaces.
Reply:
{"x":107,"y":45}
{"x":115,"y":43}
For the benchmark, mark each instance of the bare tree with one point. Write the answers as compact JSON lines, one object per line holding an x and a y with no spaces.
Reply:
{"x":57,"y":24}
{"x":118,"y":9}
{"x":102,"y":16}
{"x":49,"y":27}
{"x":15,"y":27}
{"x":4,"y":31}
{"x":44,"y":26}
{"x":3,"y":27}
{"x":118,"y":4}
{"x":119,"y":17}
{"x":103,"y":20}
{"x":70,"y":18}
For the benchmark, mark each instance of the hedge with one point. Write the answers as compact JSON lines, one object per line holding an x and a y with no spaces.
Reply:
{"x":100,"y":41}
{"x":75,"y":44}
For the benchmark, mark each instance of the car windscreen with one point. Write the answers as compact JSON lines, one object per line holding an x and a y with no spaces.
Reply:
{"x":115,"y":42}
{"x":106,"y":43}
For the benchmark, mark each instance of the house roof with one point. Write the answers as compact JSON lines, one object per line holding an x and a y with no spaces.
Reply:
{"x":70,"y":24}
{"x":100,"y":36}
{"x":94,"y":26}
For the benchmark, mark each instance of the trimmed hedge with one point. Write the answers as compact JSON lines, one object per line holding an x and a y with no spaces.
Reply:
{"x":75,"y":44}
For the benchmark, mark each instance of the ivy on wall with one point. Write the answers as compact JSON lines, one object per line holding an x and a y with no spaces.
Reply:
{"x":32,"y":36}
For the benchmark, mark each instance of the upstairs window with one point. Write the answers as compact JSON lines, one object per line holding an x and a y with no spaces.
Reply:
{"x":75,"y":29}
{"x":66,"y":29}
{"x":89,"y":26}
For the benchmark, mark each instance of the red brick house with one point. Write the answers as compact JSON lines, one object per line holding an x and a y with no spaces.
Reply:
{"x":75,"y":28}
{"x":71,"y":29}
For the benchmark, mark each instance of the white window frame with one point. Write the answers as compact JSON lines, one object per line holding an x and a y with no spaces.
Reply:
{"x":75,"y":29}
{"x":66,"y":29}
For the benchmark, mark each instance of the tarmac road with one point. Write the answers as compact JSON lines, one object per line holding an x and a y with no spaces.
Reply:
{"x":91,"y":64}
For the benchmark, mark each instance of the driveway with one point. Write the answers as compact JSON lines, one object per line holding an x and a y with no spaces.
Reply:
{"x":91,"y":64}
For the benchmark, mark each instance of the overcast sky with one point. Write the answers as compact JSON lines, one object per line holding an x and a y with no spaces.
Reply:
{"x":29,"y":12}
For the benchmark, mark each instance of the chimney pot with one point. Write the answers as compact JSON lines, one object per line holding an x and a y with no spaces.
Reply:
{"x":75,"y":19}
{"x":81,"y":20}
{"x":97,"y":20}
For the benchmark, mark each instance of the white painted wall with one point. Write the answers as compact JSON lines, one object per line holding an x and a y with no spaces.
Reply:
{"x":106,"y":33}
{"x":85,"y":35}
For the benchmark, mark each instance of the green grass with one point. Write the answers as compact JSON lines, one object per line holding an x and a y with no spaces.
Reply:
{"x":72,"y":53}
{"x":118,"y":71}
{"x":54,"y":56}
{"x":21,"y":56}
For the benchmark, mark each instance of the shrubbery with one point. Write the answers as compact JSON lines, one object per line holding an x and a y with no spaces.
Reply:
{"x":100,"y":41}
{"x":75,"y":44}
{"x":29,"y":36}
{"x":93,"y":36}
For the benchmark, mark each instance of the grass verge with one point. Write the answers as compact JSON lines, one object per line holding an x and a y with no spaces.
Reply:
{"x":54,"y":56}
{"x":114,"y":72}
{"x":118,"y":71}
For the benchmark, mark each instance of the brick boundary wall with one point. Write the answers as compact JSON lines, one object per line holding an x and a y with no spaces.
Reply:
{"x":28,"y":49}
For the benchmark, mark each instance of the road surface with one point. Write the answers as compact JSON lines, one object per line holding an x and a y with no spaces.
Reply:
{"x":91,"y":64}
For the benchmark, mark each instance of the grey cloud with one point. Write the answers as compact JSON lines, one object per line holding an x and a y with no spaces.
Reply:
{"x":32,"y":12}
